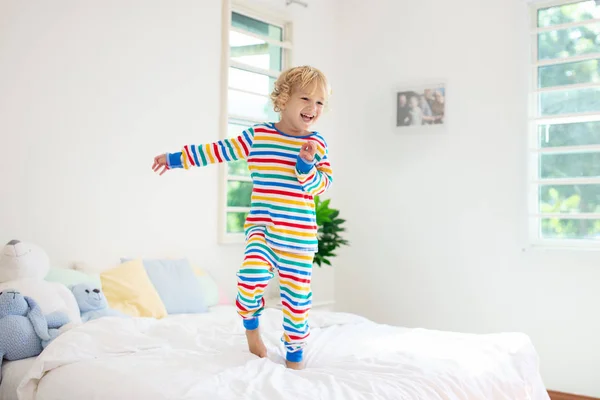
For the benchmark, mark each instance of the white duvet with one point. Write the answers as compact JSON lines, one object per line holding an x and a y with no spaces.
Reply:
{"x":205,"y":357}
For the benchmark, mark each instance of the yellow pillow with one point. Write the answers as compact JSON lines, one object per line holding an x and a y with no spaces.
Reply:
{"x":128,"y":289}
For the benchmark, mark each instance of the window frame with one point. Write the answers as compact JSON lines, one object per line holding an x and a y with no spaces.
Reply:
{"x":534,"y":181}
{"x":265,"y":16}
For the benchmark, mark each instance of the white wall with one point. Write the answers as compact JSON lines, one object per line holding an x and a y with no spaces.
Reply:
{"x":89,"y":94}
{"x":437,"y":239}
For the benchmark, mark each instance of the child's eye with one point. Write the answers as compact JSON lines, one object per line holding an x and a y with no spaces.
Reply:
{"x":320,"y":103}
{"x":305,"y":98}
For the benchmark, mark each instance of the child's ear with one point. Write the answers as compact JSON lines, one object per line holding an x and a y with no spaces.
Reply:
{"x":282,"y":104}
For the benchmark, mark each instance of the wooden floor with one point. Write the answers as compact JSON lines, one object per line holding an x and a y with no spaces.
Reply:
{"x":566,"y":396}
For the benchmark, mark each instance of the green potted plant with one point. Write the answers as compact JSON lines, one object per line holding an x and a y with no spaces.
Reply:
{"x":330,"y":229}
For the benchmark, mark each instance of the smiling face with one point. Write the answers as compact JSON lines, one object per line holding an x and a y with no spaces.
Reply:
{"x":303,"y":108}
{"x":89,"y":298}
{"x":299,"y":95}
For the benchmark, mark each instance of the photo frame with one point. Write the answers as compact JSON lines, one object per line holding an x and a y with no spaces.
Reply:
{"x":422,"y":106}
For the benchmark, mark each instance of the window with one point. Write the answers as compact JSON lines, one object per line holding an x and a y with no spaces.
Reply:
{"x":565,"y":135}
{"x":257,"y":52}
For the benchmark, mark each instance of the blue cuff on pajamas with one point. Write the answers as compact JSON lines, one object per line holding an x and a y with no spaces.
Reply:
{"x":304,"y":166}
{"x":251,"y":324}
{"x":295,"y":356}
{"x":174,"y":160}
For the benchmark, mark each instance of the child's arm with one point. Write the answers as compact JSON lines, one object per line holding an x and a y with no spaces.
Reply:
{"x":192,"y":155}
{"x":314,"y":170}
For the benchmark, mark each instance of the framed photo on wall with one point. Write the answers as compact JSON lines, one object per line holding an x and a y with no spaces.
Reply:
{"x":422,"y":106}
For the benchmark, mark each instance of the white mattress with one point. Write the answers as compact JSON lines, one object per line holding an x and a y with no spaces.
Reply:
{"x":12,"y":374}
{"x":205,"y":357}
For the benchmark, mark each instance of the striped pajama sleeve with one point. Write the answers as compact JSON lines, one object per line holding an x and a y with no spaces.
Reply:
{"x":315,"y":177}
{"x":232,"y":149}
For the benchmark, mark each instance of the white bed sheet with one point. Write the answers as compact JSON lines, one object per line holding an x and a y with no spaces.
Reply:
{"x":205,"y":357}
{"x":13,"y":373}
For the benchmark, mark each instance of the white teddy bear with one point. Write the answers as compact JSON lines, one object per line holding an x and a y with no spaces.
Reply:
{"x":23,"y":267}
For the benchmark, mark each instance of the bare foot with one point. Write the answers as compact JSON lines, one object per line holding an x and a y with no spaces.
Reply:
{"x":294,"y":365}
{"x":255,"y":343}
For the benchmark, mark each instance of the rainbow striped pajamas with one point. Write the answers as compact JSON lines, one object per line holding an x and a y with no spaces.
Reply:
{"x":281,"y":228}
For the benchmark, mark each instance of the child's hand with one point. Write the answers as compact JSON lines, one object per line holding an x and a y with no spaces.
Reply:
{"x":308,"y":151}
{"x":160,"y":162}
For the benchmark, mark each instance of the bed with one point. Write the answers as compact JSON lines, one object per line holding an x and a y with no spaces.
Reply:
{"x":13,"y":373}
{"x":204,"y":356}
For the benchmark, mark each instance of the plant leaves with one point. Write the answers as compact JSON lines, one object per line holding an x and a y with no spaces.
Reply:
{"x":329,"y":229}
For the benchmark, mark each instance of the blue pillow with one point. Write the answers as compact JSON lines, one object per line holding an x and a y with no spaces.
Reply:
{"x":176,"y":284}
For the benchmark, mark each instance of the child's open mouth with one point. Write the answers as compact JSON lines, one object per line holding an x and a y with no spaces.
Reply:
{"x":307,"y":117}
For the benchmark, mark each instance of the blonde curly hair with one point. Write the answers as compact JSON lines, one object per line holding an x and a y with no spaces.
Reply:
{"x":294,"y":79}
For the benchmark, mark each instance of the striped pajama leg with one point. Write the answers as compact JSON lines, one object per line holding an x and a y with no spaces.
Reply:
{"x":253,"y":278}
{"x":295,"y":270}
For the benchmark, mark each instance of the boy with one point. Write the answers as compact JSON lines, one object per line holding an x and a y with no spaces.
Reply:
{"x":289,"y":165}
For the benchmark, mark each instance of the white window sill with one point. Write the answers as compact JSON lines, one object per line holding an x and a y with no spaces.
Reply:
{"x":571,"y":247}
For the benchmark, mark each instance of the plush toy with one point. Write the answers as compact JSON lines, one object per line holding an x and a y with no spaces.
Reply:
{"x":24,"y":330}
{"x":23,"y":267}
{"x":92,"y":303}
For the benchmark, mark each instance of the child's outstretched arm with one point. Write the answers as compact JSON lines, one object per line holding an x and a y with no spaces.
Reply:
{"x":192,"y":155}
{"x":313,"y":169}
